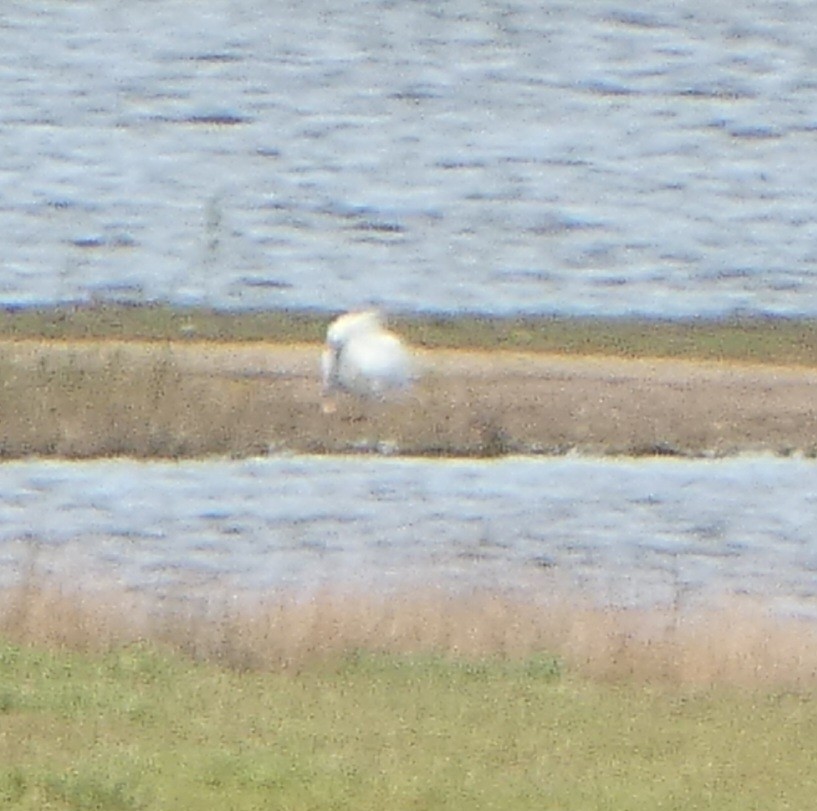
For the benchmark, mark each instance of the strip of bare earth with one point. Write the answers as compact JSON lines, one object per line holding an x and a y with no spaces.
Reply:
{"x":112,"y":381}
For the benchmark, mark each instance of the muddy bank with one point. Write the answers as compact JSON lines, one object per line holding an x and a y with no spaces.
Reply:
{"x":495,"y":403}
{"x":80,"y":399}
{"x":144,"y":399}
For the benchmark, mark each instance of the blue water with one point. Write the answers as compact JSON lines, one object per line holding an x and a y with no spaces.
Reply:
{"x":582,"y":157}
{"x":646,"y":533}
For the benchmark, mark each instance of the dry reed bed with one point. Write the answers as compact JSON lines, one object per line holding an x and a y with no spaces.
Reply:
{"x":737,"y":644}
{"x":144,"y":399}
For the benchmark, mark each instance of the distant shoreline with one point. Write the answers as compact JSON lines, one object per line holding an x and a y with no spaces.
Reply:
{"x":767,"y":340}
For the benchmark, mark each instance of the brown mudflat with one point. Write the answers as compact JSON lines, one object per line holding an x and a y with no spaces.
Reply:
{"x":185,"y":399}
{"x":492,"y":403}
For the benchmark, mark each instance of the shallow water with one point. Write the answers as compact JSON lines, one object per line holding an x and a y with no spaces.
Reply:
{"x":640,"y":533}
{"x":496,"y":157}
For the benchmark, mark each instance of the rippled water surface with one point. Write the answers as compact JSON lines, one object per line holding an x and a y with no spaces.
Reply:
{"x":586,"y":157}
{"x":632,"y":533}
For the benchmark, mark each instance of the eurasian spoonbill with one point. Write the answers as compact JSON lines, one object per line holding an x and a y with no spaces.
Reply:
{"x":363,"y":358}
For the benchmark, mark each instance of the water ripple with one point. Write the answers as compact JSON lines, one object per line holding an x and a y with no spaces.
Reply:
{"x":634,"y":533}
{"x":490,"y":157}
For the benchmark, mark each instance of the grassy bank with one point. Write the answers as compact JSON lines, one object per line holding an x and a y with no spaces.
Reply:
{"x":760,"y":340}
{"x":138,"y":728}
{"x":415,"y":701}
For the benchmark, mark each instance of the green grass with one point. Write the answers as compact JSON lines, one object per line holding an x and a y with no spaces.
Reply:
{"x":763,"y":340}
{"x":140,"y":729}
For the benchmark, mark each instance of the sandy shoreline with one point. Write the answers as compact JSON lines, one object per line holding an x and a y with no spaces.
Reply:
{"x":189,"y":399}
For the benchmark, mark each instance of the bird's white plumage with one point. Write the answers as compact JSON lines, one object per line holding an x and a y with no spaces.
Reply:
{"x":363,"y":358}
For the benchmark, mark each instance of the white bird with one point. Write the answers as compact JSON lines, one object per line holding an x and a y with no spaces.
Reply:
{"x":363,"y":358}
